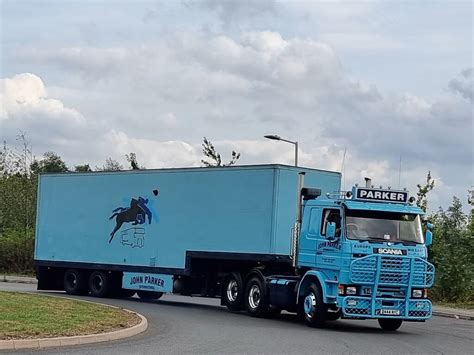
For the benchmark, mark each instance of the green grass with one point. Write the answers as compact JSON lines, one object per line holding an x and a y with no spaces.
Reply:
{"x":36,"y":316}
{"x":461,"y":305}
{"x":25,"y":274}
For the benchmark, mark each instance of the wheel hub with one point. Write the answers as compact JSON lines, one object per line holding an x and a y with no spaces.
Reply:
{"x":98,"y":282}
{"x":232,"y":291}
{"x":254,"y":296}
{"x":310,"y":305}
{"x":72,"y":280}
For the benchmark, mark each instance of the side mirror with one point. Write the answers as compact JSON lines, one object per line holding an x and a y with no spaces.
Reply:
{"x":428,"y":235}
{"x":331,"y":231}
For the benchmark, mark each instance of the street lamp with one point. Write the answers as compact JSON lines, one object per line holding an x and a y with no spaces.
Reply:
{"x":278,"y":138}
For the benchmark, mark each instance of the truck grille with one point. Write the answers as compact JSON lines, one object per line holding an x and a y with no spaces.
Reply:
{"x":354,"y":306}
{"x":392,"y":271}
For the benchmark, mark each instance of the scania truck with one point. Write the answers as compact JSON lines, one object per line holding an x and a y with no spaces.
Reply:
{"x":262,"y":238}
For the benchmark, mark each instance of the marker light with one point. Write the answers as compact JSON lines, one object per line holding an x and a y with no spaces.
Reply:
{"x":349,"y":194}
{"x":417,"y":293}
{"x":411,"y":199}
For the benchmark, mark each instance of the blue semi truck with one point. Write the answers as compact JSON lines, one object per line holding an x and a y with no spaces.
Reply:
{"x":263,"y":238}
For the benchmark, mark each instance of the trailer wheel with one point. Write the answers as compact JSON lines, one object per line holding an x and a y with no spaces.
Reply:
{"x":256,"y":297}
{"x":233,"y":292}
{"x":74,"y":283}
{"x":312,"y":307}
{"x":149,"y":295}
{"x":99,"y":284}
{"x":390,"y":324}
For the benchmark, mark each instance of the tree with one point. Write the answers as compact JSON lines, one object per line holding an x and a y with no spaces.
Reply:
{"x":452,"y":253}
{"x":51,"y":163}
{"x":132,"y":159}
{"x":17,"y":188}
{"x":82,"y":168}
{"x":422,"y":194}
{"x":110,"y":165}
{"x":210,"y":151}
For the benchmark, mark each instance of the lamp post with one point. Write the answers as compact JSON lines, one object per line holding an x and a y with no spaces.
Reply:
{"x":278,"y":138}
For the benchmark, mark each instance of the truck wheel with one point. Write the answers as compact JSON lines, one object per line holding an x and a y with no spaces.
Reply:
{"x":256,"y":297}
{"x":390,"y":324}
{"x":312,"y":307}
{"x":149,"y":295}
{"x":99,"y":284}
{"x":232,"y":292}
{"x":74,"y":283}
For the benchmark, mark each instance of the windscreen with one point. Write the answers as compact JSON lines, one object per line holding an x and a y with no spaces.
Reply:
{"x":386,"y":226}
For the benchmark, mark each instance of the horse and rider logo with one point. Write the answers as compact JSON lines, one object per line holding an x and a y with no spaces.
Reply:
{"x":138,"y":213}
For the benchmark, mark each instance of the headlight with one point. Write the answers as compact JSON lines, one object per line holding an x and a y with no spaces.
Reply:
{"x":351,"y":290}
{"x":417,"y":293}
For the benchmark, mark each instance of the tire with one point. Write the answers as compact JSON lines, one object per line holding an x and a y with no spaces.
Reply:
{"x":99,"y":284}
{"x":312,"y":307}
{"x":390,"y":324}
{"x":149,"y":295}
{"x":333,"y":315}
{"x":74,"y":283}
{"x":233,"y":292}
{"x":256,"y":297}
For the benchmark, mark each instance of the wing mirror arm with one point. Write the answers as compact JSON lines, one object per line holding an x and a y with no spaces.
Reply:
{"x":429,"y":234}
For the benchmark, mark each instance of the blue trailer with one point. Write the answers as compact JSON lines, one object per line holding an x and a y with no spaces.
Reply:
{"x":262,"y":238}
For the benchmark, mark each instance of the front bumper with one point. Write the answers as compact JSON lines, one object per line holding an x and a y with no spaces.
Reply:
{"x":367,"y":307}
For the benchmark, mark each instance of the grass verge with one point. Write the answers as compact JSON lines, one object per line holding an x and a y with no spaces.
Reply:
{"x":460,"y":305}
{"x":26,"y":316}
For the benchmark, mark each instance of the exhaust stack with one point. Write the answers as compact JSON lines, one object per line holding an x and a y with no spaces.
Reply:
{"x":297,"y":227}
{"x":368,"y":182}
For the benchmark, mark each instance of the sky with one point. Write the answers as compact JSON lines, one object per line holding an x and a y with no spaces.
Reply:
{"x":382,"y":89}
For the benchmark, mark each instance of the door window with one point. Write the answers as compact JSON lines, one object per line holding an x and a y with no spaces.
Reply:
{"x":331,"y":215}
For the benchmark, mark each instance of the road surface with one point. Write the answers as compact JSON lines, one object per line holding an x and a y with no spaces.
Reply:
{"x":180,"y":325}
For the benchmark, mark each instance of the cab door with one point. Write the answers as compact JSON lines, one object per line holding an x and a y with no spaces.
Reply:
{"x":328,"y":252}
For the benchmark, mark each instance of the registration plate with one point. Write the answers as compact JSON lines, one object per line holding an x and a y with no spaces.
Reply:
{"x":390,"y":312}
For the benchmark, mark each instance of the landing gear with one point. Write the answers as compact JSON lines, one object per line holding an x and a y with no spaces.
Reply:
{"x":149,"y":295}
{"x":390,"y":324}
{"x":124,"y":293}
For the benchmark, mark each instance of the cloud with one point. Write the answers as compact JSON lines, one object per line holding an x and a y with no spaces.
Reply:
{"x":233,"y":10}
{"x":152,"y":153}
{"x":464,"y":85}
{"x":24,"y":97}
{"x":159,"y":99}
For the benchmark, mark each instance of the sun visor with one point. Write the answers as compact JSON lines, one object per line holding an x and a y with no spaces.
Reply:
{"x":388,"y":207}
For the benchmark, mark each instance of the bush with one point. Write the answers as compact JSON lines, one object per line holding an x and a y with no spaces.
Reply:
{"x":452,"y":253}
{"x":16,"y":251}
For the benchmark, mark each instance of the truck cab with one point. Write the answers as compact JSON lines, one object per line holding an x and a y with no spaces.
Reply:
{"x":362,"y":254}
